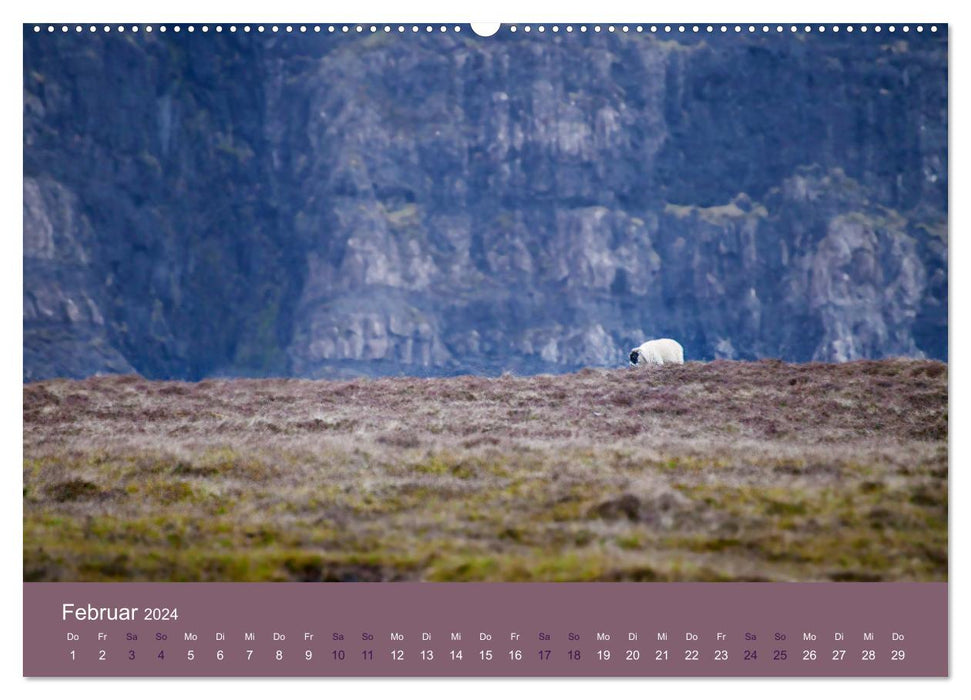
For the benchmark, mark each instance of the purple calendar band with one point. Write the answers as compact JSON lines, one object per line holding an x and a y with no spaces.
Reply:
{"x":482,"y":629}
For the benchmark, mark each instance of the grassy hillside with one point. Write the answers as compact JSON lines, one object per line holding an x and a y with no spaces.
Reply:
{"x":719,"y":471}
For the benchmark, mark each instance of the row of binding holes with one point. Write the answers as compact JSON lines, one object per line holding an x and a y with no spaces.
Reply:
{"x":414,"y":28}
{"x":695,"y":28}
{"x":290,"y":28}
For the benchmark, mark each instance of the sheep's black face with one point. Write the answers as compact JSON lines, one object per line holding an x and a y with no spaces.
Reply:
{"x":633,"y":357}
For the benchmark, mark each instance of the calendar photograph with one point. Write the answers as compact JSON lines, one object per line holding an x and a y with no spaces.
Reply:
{"x":405,"y":303}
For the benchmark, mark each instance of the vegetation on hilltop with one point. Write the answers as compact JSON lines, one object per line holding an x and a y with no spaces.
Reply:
{"x":718,"y":471}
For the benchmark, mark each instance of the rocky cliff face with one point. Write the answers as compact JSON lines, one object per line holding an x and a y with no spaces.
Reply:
{"x":320,"y":205}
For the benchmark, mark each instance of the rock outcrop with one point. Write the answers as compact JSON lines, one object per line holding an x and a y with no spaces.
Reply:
{"x":332,"y":205}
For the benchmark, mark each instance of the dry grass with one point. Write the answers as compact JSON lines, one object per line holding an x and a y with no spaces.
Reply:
{"x":719,"y":471}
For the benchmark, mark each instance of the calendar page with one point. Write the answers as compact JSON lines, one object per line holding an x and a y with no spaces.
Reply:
{"x":552,"y":349}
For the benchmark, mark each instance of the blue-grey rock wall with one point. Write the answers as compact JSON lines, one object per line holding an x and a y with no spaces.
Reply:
{"x":319,"y":205}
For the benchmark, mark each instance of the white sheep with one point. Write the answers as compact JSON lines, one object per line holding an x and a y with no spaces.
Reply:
{"x":663,"y":351}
